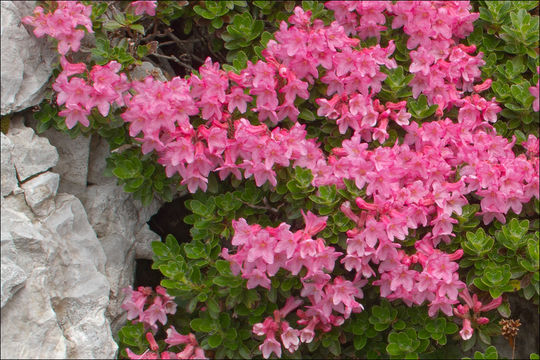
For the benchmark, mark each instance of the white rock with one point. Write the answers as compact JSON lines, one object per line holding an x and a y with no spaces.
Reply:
{"x":39,"y":192}
{"x":30,"y":328}
{"x":97,"y":162}
{"x":72,"y":164}
{"x":26,"y":60}
{"x":13,"y":277}
{"x":143,"y":243}
{"x":31,"y":154}
{"x":141,"y":72}
{"x":70,"y":227}
{"x":65,"y":295}
{"x":117,"y":217}
{"x":78,"y":287}
{"x":9,"y":177}
{"x":32,"y":248}
{"x":29,"y":310}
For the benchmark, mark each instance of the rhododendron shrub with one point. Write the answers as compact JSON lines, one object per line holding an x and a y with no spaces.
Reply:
{"x":349,"y":187}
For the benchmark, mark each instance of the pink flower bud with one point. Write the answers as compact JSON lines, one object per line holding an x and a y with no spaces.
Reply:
{"x":482,"y":320}
{"x":483,"y":86}
{"x":153,"y":344}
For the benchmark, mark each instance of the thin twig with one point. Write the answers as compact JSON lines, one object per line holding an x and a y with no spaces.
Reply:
{"x":266,"y":207}
{"x":180,"y":41}
{"x":175,"y":59}
{"x":197,"y":58}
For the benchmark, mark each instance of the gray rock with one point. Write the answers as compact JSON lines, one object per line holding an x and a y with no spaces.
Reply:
{"x":32,"y":248}
{"x":79,"y":289}
{"x":143,"y":243}
{"x":69,"y":225}
{"x":26,"y":60}
{"x":9,"y":176}
{"x":65,"y":295}
{"x":13,"y":277}
{"x":31,"y":154}
{"x":30,"y":327}
{"x":72,"y":165}
{"x":141,"y":72}
{"x":97,"y":162}
{"x":40,"y":191}
{"x":117,"y":218}
{"x":29,"y":311}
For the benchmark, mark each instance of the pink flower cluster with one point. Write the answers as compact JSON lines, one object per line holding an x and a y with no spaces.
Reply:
{"x":438,"y":282}
{"x":160,"y":305}
{"x":260,"y":255}
{"x":472,"y":303}
{"x":162,"y":112}
{"x":144,"y":7}
{"x":440,"y":68}
{"x":79,"y":96}
{"x":63,"y":24}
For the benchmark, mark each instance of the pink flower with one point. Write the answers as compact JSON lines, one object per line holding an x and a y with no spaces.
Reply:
{"x":269,"y":346}
{"x":256,"y":278}
{"x":156,"y":312}
{"x":145,"y":355}
{"x":141,"y":7}
{"x":152,"y":341}
{"x":289,"y":337}
{"x":467,"y":331}
{"x":175,"y":338}
{"x":74,"y":114}
{"x":314,"y":224}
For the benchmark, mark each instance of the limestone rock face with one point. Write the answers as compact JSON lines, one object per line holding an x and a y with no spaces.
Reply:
{"x":54,"y":289}
{"x":117,"y":219}
{"x":26,"y":60}
{"x":28,"y":311}
{"x":140,"y":72}
{"x":79,"y":289}
{"x":65,"y":256}
{"x":30,"y":327}
{"x":72,"y":165}
{"x":31,"y":154}
{"x":39,"y":192}
{"x":9,"y":177}
{"x":13,"y":278}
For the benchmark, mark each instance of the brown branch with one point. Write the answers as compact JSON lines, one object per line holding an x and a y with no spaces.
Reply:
{"x":175,"y":59}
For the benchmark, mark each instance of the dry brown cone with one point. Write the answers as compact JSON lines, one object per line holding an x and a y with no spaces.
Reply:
{"x":510,"y":330}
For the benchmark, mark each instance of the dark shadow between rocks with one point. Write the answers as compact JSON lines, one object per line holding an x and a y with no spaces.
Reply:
{"x":168,"y":220}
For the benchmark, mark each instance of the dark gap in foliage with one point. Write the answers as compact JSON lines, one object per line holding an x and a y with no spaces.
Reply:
{"x":170,"y":220}
{"x":193,"y":51}
{"x":145,"y":275}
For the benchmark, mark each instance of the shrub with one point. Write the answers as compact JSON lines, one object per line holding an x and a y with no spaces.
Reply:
{"x":353,"y":131}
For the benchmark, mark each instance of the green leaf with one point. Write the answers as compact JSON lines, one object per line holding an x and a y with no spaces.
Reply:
{"x":203,"y":12}
{"x":217,"y":23}
{"x":215,"y":340}
{"x":194,"y":250}
{"x":213,"y":306}
{"x":137,"y":27}
{"x":224,"y":320}
{"x":306,"y":115}
{"x":224,"y":267}
{"x":160,"y":249}
{"x":202,"y":324}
